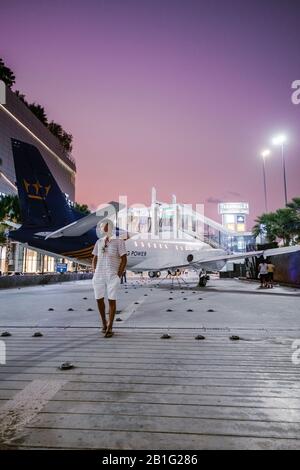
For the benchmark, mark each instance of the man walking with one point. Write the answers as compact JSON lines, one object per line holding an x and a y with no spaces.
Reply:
{"x":109,"y":263}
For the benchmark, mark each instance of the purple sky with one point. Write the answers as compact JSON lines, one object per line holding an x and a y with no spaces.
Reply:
{"x":181,"y":94}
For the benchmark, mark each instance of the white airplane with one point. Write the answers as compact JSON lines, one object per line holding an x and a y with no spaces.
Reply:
{"x":155,"y":256}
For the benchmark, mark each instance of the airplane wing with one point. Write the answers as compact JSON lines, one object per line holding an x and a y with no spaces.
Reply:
{"x":149,"y":265}
{"x":251,"y":254}
{"x":81,"y":226}
{"x":11,"y":224}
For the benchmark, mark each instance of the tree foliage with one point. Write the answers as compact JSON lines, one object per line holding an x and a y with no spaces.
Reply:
{"x":10,"y":208}
{"x":6,"y":74}
{"x":284,"y":224}
{"x":82,"y":208}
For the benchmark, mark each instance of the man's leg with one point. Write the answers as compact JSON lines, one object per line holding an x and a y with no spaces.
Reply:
{"x":112,"y":287}
{"x":112,"y":312}
{"x":101,"y":308}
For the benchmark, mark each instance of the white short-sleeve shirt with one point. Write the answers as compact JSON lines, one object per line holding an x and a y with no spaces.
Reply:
{"x":109,"y":258}
{"x":263,"y":268}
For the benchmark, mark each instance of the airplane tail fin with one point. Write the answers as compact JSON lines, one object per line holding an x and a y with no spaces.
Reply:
{"x":42,"y":202}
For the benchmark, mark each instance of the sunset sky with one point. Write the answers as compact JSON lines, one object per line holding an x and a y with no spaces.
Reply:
{"x":180,"y":94}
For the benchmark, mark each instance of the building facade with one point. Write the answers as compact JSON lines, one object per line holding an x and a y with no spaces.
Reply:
{"x":17,"y":121}
{"x":234,"y":220}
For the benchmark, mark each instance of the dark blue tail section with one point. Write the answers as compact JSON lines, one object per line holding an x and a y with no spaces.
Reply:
{"x":42,"y":202}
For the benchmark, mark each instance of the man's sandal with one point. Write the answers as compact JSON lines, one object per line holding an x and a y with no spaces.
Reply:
{"x":108,"y":334}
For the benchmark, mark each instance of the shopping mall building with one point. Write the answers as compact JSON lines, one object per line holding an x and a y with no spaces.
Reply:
{"x":17,"y":121}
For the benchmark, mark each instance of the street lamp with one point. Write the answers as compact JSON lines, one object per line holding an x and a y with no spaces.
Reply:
{"x":265,"y":154}
{"x":280,"y":141}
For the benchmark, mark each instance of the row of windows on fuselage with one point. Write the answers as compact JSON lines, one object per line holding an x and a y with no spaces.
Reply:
{"x":165,"y":246}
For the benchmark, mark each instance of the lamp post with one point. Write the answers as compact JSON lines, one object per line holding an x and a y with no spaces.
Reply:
{"x":280,"y":141}
{"x":264,"y":155}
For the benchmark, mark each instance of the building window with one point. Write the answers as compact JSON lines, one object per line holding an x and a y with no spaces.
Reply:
{"x":240,"y":227}
{"x":30,"y":261}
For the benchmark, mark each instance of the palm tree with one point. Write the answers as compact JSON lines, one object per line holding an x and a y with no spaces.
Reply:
{"x":6,"y":74}
{"x":82,"y":208}
{"x":284,"y":224}
{"x":266,"y":225}
{"x":66,"y":141}
{"x":295,"y":204}
{"x":39,"y":112}
{"x":286,"y":220}
{"x":10,"y":208}
{"x":21,"y":97}
{"x":64,"y":138}
{"x":2,"y":235}
{"x":56,"y":129}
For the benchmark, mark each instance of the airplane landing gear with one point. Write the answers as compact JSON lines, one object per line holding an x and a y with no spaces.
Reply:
{"x":153,"y":274}
{"x":203,"y":278}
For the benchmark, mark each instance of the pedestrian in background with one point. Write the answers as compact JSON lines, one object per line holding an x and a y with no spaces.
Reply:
{"x":271,"y":270}
{"x":124,"y":278}
{"x":263,"y":273}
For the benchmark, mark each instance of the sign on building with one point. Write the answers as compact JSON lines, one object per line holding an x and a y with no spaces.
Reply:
{"x":61,"y":267}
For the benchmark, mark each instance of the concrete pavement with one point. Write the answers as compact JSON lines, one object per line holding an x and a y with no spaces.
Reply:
{"x":136,"y":390}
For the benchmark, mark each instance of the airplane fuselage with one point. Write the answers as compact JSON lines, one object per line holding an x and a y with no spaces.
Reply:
{"x":142,"y":255}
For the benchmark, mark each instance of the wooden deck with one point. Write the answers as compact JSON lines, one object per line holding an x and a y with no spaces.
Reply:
{"x":137,"y":391}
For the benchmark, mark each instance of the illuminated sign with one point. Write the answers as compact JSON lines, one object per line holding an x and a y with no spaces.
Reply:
{"x":234,"y":208}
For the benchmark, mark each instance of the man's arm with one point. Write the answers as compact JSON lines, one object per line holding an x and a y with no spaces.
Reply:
{"x":122,"y":265}
{"x":94,"y":263}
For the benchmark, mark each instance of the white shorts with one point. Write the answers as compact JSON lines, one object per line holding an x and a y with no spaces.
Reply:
{"x":103,"y":284}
